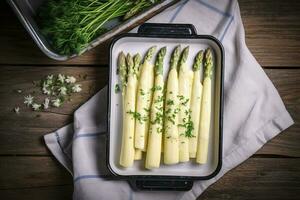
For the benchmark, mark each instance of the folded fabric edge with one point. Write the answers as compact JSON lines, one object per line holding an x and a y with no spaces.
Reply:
{"x":246,"y":150}
{"x":56,"y":149}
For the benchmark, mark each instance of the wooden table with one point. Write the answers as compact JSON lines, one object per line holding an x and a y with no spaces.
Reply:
{"x":29,"y":171}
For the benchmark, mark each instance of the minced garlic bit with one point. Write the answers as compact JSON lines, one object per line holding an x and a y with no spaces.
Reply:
{"x":46,"y":90}
{"x":50,"y":77}
{"x":28,"y":100}
{"x":61,"y":78}
{"x":36,"y":106}
{"x":17,"y":110}
{"x":46,"y":103}
{"x":76,"y":88}
{"x":70,"y":79}
{"x":56,"y":102}
{"x":62,"y":90}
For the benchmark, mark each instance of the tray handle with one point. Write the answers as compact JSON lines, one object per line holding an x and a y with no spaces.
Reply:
{"x":161,"y":184}
{"x":154,"y":29}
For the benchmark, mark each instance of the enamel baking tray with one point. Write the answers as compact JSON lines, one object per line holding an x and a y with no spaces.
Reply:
{"x":167,"y":177}
{"x":26,"y":12}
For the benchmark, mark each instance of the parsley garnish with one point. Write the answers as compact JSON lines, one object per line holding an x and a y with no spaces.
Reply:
{"x":137,"y":116}
{"x":117,"y":88}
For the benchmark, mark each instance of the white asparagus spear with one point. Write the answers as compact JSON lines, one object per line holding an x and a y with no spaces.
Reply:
{"x":144,"y":96}
{"x":205,"y":113}
{"x":127,"y":147}
{"x":184,"y":120}
{"x":138,"y":154}
{"x":196,"y":104}
{"x":153,"y":154}
{"x":171,"y":138}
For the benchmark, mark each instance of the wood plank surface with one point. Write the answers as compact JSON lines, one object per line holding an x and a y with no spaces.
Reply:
{"x":58,"y":192}
{"x":272,"y":33}
{"x":19,"y":172}
{"x":257,"y":178}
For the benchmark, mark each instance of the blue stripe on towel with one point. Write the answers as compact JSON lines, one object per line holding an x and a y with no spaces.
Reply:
{"x":226,"y":28}
{"x":225,"y":14}
{"x":178,"y":10}
{"x":88,"y":177}
{"x":88,"y":135}
{"x":214,"y":8}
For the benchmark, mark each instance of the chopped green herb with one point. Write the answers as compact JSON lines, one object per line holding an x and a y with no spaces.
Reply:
{"x":170,"y":102}
{"x":157,"y":87}
{"x":147,"y":110}
{"x":185,"y":102}
{"x":188,"y":125}
{"x":71,"y":25}
{"x":117,"y":88}
{"x":142,"y":92}
{"x":159,"y":99}
{"x":137,"y":116}
{"x":181,"y":97}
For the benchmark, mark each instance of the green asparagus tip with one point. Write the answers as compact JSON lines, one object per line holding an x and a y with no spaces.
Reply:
{"x":208,"y":63}
{"x":137,"y":61}
{"x":160,"y":61}
{"x":122,"y":70}
{"x":184,"y":55}
{"x":121,"y":61}
{"x":130,"y":64}
{"x":163,"y":51}
{"x":150,"y":53}
{"x":208,"y":57}
{"x":198,"y":61}
{"x":175,"y":57}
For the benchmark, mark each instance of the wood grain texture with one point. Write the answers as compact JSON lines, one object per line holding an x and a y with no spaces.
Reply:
{"x":272,"y":34}
{"x":59,"y":192}
{"x":29,"y":171}
{"x":257,"y":178}
{"x":272,"y":31}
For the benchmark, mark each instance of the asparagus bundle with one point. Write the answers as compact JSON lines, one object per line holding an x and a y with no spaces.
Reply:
{"x":205,"y":114}
{"x":156,"y":124}
{"x":171,"y":150}
{"x":144,"y":96}
{"x":186,"y":132}
{"x":129,"y":85}
{"x":185,"y":124}
{"x":195,"y":104}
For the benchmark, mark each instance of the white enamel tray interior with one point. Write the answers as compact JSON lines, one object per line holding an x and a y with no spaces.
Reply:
{"x":141,"y":44}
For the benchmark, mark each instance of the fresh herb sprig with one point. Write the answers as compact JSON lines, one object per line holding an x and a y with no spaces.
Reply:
{"x":70,"y":25}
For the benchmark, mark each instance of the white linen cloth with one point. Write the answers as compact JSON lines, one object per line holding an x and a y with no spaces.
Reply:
{"x":254,"y":112}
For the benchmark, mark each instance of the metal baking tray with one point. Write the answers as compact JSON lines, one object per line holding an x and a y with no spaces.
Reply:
{"x":26,"y":12}
{"x":167,"y":177}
